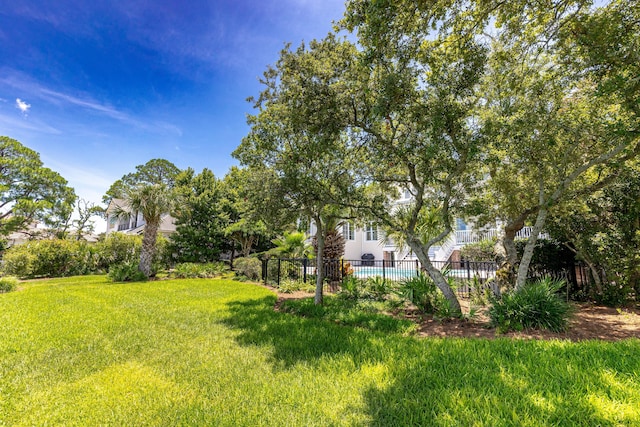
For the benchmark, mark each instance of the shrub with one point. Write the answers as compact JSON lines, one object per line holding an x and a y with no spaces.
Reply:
{"x":195,"y":270}
{"x":118,"y":249}
{"x":251,"y":268}
{"x":614,"y":294}
{"x":49,"y":258}
{"x":482,"y":251}
{"x":288,"y":286}
{"x":18,"y":262}
{"x":421,"y":292}
{"x":351,"y":288}
{"x":375,"y":288}
{"x":537,"y":305}
{"x":126,"y":273}
{"x":8,"y":284}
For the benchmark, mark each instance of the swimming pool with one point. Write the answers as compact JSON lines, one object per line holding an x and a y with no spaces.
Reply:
{"x":389,"y":273}
{"x":394,"y":273}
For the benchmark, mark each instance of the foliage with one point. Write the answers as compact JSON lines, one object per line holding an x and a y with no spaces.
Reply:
{"x":129,"y":272}
{"x":291,"y":245}
{"x":80,"y":351}
{"x":58,"y":257}
{"x":50,"y":258}
{"x":200,"y":216}
{"x":191,"y":270}
{"x":351,"y":288}
{"x":616,"y":295}
{"x":155,"y":172}
{"x":249,"y":211}
{"x":8,"y":284}
{"x":30,"y":192}
{"x":296,"y":138}
{"x":86,"y":211}
{"x":604,"y":232}
{"x":118,"y":248}
{"x":536,"y":306}
{"x":421,"y":291}
{"x":482,"y":251}
{"x":250,"y":268}
{"x":288,"y":286}
{"x":153,"y":201}
{"x":376,"y":288}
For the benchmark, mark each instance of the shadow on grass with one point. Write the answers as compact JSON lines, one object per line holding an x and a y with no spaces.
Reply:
{"x":458,"y":381}
{"x":294,"y":338}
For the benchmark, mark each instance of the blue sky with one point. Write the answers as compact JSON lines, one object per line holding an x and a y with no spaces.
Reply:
{"x":98,"y":87}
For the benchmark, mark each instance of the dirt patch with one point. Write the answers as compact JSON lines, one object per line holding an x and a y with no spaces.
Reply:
{"x":589,"y":322}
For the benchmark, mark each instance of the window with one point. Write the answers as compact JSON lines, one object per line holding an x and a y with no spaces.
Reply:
{"x":347,"y":231}
{"x":371,"y":232}
{"x":460,"y":224}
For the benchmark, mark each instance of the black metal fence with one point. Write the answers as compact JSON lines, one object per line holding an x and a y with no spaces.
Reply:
{"x":464,"y":275}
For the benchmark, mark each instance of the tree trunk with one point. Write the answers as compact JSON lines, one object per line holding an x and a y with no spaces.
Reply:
{"x":422,"y":252}
{"x":318,"y":299}
{"x":523,"y":268}
{"x":148,"y":248}
{"x":506,"y":249}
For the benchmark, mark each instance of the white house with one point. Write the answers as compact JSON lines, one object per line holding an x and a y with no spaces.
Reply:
{"x":371,"y":240}
{"x":134,"y":223}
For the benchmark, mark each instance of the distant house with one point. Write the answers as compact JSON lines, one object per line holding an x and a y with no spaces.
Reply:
{"x":134,"y":223}
{"x":369,"y":242}
{"x":22,"y":236}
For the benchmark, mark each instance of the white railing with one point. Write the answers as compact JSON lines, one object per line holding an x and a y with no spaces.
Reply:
{"x":464,"y":237}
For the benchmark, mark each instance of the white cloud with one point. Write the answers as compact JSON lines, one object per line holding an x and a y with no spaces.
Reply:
{"x":22,"y":106}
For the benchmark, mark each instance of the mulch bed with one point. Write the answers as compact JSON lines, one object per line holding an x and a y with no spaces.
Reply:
{"x":589,"y":322}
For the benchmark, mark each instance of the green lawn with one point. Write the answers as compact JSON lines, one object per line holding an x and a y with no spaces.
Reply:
{"x":82,"y":351}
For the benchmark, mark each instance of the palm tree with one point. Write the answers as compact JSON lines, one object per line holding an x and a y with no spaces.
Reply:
{"x":333,"y":248}
{"x":291,"y":245}
{"x":152,"y":201}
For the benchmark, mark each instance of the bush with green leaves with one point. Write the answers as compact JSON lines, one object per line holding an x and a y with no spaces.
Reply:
{"x":376,"y":288}
{"x":421,"y":291}
{"x":288,"y":286}
{"x":535,"y":306}
{"x":118,"y":248}
{"x":50,"y":258}
{"x":251,"y":268}
{"x":8,"y":284}
{"x":351,"y":288}
{"x":615,"y":294}
{"x":127,"y":272}
{"x":482,"y":251}
{"x":187,"y":270}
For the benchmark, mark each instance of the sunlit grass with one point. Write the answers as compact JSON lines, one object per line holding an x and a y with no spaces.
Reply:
{"x":82,"y":351}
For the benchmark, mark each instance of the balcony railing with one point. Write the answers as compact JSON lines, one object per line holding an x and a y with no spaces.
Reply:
{"x":464,"y":237}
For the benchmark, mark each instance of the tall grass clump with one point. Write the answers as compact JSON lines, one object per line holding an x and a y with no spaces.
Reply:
{"x":8,"y":284}
{"x":535,"y":306}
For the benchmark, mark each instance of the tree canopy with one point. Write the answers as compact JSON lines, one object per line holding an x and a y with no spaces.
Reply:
{"x":154,"y":172}
{"x":30,"y":192}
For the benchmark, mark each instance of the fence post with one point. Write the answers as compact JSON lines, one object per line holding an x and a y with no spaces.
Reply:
{"x":383,"y":271}
{"x":304,"y":269}
{"x":468,"y":270}
{"x":265,"y":265}
{"x":341,"y":269}
{"x":278,"y":281}
{"x":417,"y":269}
